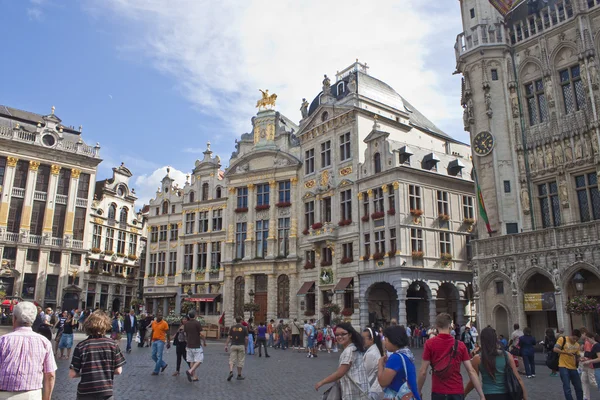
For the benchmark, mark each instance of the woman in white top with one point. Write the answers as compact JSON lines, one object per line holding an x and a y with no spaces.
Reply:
{"x":374,"y":352}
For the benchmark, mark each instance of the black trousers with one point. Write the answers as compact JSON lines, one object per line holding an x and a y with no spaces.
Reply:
{"x":437,"y":396}
{"x":261,"y":342}
{"x":180,"y":350}
{"x":142,"y":336}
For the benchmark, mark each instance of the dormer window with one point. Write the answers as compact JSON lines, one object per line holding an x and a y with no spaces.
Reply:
{"x":455,"y":168}
{"x":112,"y":211}
{"x":205,"y":191}
{"x":430,"y":162}
{"x":324,"y":116}
{"x":218,"y":193}
{"x":405,"y":154}
{"x":377,"y":162}
{"x":192,"y":196}
{"x":165,"y":207}
{"x":341,"y":88}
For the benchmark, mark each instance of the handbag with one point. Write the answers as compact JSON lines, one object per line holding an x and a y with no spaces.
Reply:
{"x":334,"y":392}
{"x":405,"y":392}
{"x":513,"y":386}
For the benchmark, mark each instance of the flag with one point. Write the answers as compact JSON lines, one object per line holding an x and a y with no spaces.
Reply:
{"x":482,"y":211}
{"x":505,"y":6}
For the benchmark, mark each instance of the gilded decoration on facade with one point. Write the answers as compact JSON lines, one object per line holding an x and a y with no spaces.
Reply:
{"x":55,"y":169}
{"x":345,"y":171}
{"x":310,"y":184}
{"x":75,"y":173}
{"x":11,"y":161}
{"x":34,"y":165}
{"x":267,"y":101}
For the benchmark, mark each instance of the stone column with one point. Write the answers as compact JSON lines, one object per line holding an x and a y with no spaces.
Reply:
{"x":293,"y":218}
{"x":432,"y":309}
{"x":49,"y":212}
{"x":294,"y":287}
{"x":272,"y":250}
{"x":272,"y":297}
{"x":69,"y":221}
{"x":563,"y":319}
{"x":29,"y":192}
{"x":6,"y":195}
{"x":40,"y":290}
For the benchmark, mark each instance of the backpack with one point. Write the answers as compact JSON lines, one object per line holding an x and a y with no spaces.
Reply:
{"x":552,"y":358}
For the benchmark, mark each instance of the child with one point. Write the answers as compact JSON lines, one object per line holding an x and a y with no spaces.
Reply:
{"x":96,"y":360}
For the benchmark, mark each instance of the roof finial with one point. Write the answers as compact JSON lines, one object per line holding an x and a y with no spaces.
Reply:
{"x":168,"y":170}
{"x":53,"y":108}
{"x":208,"y":146}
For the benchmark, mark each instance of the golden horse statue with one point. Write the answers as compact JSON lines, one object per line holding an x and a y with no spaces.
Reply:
{"x":267,"y":100}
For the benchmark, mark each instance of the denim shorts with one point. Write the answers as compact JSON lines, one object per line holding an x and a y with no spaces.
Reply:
{"x":66,"y":341}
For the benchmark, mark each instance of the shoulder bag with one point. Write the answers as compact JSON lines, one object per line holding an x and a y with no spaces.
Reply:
{"x":513,"y":386}
{"x":405,"y":392}
{"x":334,"y":392}
{"x":552,"y":358}
{"x":440,"y":373}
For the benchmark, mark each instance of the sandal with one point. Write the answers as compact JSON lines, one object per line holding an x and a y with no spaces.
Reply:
{"x":176,"y":373}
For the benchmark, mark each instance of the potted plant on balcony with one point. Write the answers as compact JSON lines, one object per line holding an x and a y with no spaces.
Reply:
{"x":346,"y":260}
{"x":308,"y":265}
{"x":132,"y":257}
{"x":241,"y":210}
{"x":93,"y":271}
{"x":305,"y":232}
{"x":391,"y":211}
{"x":468,"y":221}
{"x":95,"y":250}
{"x":131,"y":276}
{"x":316,"y":225}
{"x":109,"y":252}
{"x":378,"y":255}
{"x":329,"y":309}
{"x":346,"y":312}
{"x":345,"y":222}
{"x":283,"y":204}
{"x":446,"y":258}
{"x":581,"y":305}
{"x":120,"y":255}
{"x":444,"y":217}
{"x":262,"y":207}
{"x":416,"y":212}
{"x":417,"y":255}
{"x":365,"y":218}
{"x":151,"y":275}
{"x":378,"y":215}
{"x":325,"y":263}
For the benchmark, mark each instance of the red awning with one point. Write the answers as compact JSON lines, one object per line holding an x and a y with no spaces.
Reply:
{"x":342,"y":285}
{"x":306,"y":287}
{"x":206,"y":297}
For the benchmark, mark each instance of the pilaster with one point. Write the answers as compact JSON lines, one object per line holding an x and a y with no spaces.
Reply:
{"x":29,"y":191}
{"x":432,"y":310}
{"x":272,"y":250}
{"x":42,"y":273}
{"x":272,"y":297}
{"x":294,"y":313}
{"x":70,"y":218}
{"x":9,"y":176}
{"x":49,"y":213}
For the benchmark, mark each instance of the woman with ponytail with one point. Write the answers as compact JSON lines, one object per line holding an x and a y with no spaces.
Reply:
{"x":374,"y":351}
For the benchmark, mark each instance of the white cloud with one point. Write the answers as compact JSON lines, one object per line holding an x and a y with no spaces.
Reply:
{"x":35,"y":14}
{"x":221,"y":53}
{"x":147,"y":185}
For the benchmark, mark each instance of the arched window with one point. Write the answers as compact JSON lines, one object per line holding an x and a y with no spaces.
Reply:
{"x":205,"y":191}
{"x":192,"y":196}
{"x":377,"y":162}
{"x":238,"y":296}
{"x":341,"y":88}
{"x":165,"y":207}
{"x":283,"y":296}
{"x":123,"y":216}
{"x":324,"y":116}
{"x":112,"y":211}
{"x":218,"y":194}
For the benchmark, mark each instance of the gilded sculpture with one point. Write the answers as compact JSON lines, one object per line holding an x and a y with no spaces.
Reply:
{"x":267,"y":101}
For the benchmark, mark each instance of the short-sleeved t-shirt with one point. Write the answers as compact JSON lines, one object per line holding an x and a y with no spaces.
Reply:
{"x":193,"y":329}
{"x":238,"y":334}
{"x":262,"y":332}
{"x":437,"y":351}
{"x":567,"y":360}
{"x":594,"y":353}
{"x":159,"y":330}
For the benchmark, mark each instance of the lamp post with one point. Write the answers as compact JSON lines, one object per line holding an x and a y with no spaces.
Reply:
{"x":578,"y":280}
{"x":251,"y":294}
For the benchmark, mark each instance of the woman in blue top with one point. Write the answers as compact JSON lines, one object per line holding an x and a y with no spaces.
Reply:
{"x":399,"y":368}
{"x":527,"y":344}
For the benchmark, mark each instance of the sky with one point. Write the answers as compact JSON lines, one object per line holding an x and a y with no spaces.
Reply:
{"x":153,"y":80}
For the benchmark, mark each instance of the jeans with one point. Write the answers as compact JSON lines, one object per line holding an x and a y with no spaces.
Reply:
{"x":262,"y":342}
{"x":597,"y":375}
{"x":129,"y":339}
{"x":271,"y":340}
{"x":568,"y":376}
{"x":529,"y":362}
{"x":157,"y":355}
{"x":251,"y":344}
{"x":295,"y":340}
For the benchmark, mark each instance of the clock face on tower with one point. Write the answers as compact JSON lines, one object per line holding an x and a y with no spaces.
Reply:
{"x":483,"y":143}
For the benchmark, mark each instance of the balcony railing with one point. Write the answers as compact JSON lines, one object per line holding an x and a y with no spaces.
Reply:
{"x":526,"y":24}
{"x":40,"y":196}
{"x":480,"y":35}
{"x":77,"y":244}
{"x":18,"y":192}
{"x":35,"y":239}
{"x":79,"y":147}
{"x":81,"y":202}
{"x":57,"y":241}
{"x":539,"y":240}
{"x":11,"y":237}
{"x":61,"y":199}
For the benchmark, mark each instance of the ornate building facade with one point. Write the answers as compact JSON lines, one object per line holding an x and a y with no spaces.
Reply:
{"x":46,"y":171}
{"x":530,"y":96}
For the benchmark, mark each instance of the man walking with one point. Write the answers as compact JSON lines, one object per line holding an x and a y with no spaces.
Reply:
{"x":295,"y":334}
{"x":281,"y":341}
{"x":514,"y":341}
{"x":568,"y":349}
{"x":130,"y":325}
{"x":195,"y":339}
{"x":160,"y":335}
{"x":261,"y":339}
{"x":238,"y":337}
{"x":27,"y":365}
{"x":445,"y":354}
{"x":271,"y":333}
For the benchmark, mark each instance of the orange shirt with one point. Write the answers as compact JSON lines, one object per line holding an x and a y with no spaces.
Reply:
{"x":270,"y":329}
{"x":159,"y":330}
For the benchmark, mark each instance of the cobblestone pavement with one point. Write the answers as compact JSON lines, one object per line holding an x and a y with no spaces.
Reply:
{"x":286,"y":375}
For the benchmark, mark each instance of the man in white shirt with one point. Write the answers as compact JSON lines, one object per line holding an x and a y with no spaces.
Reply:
{"x":305,"y":335}
{"x":409,"y":334}
{"x":514,"y":340}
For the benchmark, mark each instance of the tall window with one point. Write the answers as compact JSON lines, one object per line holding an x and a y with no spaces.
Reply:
{"x":393,"y":245}
{"x":43,"y":178}
{"x":442,"y":203}
{"x":345,"y":149}
{"x":391,"y":197}
{"x":367,"y":246}
{"x":283,"y":237}
{"x":218,"y":192}
{"x":572,"y":89}
{"x":203,"y":221}
{"x":123,"y":215}
{"x":309,"y":213}
{"x":262,"y":233}
{"x":165,"y":207}
{"x":240,"y":240}
{"x":192,"y":197}
{"x":347,"y":252}
{"x":445,"y":243}
{"x":174,"y":231}
{"x":162,"y":260}
{"x":188,"y":257}
{"x":202,"y":256}
{"x":15,"y":211}
{"x":3,"y":169}
{"x":121,"y":242}
{"x":378,"y":199}
{"x":380,"y":242}
{"x":172,"y":263}
{"x":326,"y":209}
{"x":416,"y":239}
{"x":83,"y":186}
{"x":96,"y":236}
{"x":414,"y":197}
{"x":262,"y":194}
{"x":217,"y":222}
{"x":284,"y":192}
{"x":162,"y":234}
{"x":377,"y":162}
{"x":549,"y":204}
{"x":153,"y":234}
{"x":365,"y":204}
{"x":309,"y":161}
{"x":58,"y":222}
{"x":326,"y":256}
{"x":109,"y":241}
{"x":21,"y":171}
{"x":205,"y":191}
{"x":588,"y":196}
{"x":189,"y":223}
{"x":468,"y":210}
{"x":346,"y":203}
{"x":215,"y":255}
{"x":242,"y":197}
{"x":64,"y":178}
{"x":133,"y":244}
{"x":37,"y":217}
{"x":112,"y":212}
{"x":326,"y":154}
{"x":153,"y":262}
{"x":310,"y":256}
{"x":536,"y":102}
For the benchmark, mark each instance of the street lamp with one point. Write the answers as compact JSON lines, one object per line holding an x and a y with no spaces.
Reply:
{"x":578,"y":280}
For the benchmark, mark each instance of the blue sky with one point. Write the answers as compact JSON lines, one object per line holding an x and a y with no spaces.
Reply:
{"x":153,"y":80}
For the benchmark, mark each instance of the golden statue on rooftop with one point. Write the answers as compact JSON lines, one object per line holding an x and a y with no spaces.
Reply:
{"x":267,"y":101}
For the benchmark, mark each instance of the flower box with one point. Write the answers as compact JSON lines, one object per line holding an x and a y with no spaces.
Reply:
{"x":132,"y":257}
{"x":150,"y":275}
{"x":416,"y":212}
{"x":391,"y":211}
{"x":317,"y":225}
{"x":446,"y":257}
{"x":120,"y":255}
{"x":241,"y":210}
{"x":378,"y":256}
{"x":93,"y":272}
{"x":262,"y":207}
{"x":469,"y":221}
{"x":106,"y":273}
{"x":345,"y":222}
{"x":283,"y":204}
{"x":378,"y":215}
{"x":366,"y":256}
{"x":308,"y":265}
{"x":309,"y":313}
{"x":109,"y":252}
{"x":346,"y":260}
{"x":391,"y":253}
{"x":325,"y":263}
{"x":444,"y":217}
{"x":305,"y":232}
{"x":330,"y":308}
{"x":346,"y":312}
{"x":95,"y":250}
{"x":417,"y":255}
{"x":365,"y":218}
{"x":131,"y":276}
{"x":581,"y":305}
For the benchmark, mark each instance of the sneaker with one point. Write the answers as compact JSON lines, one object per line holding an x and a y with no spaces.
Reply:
{"x":154,"y":373}
{"x":267,"y":356}
{"x":533,"y":376}
{"x":529,"y":376}
{"x":240,"y":378}
{"x":163,"y":368}
{"x":308,"y":356}
{"x":230,"y":376}
{"x":314,"y":355}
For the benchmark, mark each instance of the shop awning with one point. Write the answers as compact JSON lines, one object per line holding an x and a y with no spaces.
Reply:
{"x":204,"y":297}
{"x":306,"y":287}
{"x":342,"y":285}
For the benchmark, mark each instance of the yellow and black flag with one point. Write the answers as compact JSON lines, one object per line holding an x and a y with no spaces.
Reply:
{"x":504,"y":7}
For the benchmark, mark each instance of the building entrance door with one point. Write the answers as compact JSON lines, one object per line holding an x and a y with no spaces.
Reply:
{"x":261,"y":314}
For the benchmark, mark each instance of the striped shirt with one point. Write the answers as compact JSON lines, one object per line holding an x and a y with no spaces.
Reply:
{"x":25,"y":357}
{"x":96,"y":359}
